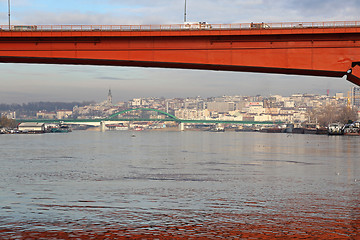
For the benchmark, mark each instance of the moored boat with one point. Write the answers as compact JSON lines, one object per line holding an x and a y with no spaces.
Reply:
{"x":298,"y":130}
{"x":138,"y":129}
{"x":289,"y":128}
{"x":245,"y":129}
{"x":61,"y":129}
{"x":321,"y":130}
{"x":217,"y":129}
{"x":273,"y":130}
{"x":118,"y":127}
{"x":335,"y":129}
{"x":352,"y":129}
{"x":311,"y":128}
{"x":351,"y":132}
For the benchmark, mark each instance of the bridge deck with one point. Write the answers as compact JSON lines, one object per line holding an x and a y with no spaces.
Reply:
{"x":185,"y":26}
{"x":305,"y":48}
{"x":180,"y":29}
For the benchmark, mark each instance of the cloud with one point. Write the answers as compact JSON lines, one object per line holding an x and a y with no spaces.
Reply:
{"x":117,"y":78}
{"x":161,"y":11}
{"x":324,"y":9}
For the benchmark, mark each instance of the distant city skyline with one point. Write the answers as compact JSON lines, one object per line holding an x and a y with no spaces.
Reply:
{"x":81,"y":83}
{"x":22,"y":83}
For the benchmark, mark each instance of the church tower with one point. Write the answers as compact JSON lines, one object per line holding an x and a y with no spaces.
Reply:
{"x":109,"y":98}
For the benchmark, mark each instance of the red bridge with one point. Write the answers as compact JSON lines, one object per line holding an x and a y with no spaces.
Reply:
{"x":320,"y":49}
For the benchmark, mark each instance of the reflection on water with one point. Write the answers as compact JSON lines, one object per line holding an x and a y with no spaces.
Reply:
{"x":179,"y":184}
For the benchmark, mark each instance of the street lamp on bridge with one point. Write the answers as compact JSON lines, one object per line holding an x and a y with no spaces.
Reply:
{"x":184,"y":12}
{"x":9,"y":12}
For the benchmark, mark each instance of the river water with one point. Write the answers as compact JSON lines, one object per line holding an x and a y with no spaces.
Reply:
{"x":186,"y":185}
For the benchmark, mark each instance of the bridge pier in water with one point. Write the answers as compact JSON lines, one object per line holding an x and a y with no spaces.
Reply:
{"x":102,"y":126}
{"x":181,"y":126}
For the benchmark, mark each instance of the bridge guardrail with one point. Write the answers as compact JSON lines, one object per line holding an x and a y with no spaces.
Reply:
{"x":183,"y":27}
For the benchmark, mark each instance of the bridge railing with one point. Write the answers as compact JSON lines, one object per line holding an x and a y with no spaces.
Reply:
{"x":183,"y":27}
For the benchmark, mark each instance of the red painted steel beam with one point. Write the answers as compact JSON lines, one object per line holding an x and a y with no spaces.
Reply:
{"x":332,"y":52}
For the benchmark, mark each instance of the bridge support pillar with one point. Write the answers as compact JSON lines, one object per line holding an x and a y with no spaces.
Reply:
{"x":181,"y":127}
{"x":102,"y":126}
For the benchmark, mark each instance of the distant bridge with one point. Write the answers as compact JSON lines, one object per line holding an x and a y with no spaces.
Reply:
{"x":329,"y":49}
{"x":171,"y":118}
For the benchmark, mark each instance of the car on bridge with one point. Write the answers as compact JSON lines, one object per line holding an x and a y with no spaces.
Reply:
{"x":259,"y":25}
{"x":197,"y":25}
{"x":24,"y":28}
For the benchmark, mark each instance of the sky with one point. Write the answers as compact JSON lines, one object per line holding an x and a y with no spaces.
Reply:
{"x":22,"y":83}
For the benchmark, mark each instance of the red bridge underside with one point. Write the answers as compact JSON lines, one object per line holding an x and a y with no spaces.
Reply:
{"x":332,"y":52}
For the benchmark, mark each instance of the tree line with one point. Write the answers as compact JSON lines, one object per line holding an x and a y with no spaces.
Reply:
{"x":33,"y":107}
{"x":7,"y":123}
{"x":332,"y":114}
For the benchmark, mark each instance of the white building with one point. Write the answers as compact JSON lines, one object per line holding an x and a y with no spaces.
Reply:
{"x":221,"y":106}
{"x":32,"y":127}
{"x":262,"y":118}
{"x":8,"y":115}
{"x":192,"y":114}
{"x":63,"y":114}
{"x":45,"y":115}
{"x":136,"y":102}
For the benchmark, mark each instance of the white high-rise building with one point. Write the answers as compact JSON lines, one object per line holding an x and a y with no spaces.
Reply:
{"x":355,"y":96}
